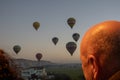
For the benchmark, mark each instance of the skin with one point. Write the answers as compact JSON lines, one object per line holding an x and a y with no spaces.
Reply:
{"x":99,"y":50}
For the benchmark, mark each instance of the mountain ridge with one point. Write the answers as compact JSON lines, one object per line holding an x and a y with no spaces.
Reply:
{"x":25,"y":63}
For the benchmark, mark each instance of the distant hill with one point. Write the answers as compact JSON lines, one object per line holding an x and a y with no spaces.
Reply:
{"x":25,"y":63}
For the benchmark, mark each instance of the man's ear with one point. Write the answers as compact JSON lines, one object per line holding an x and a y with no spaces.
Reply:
{"x":93,"y":63}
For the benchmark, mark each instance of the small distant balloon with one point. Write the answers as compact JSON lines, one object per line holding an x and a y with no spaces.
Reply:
{"x":71,"y":22}
{"x":76,"y":36}
{"x":71,"y":47}
{"x":36,"y":25}
{"x":38,"y":56}
{"x":16,"y":49}
{"x":55,"y":40}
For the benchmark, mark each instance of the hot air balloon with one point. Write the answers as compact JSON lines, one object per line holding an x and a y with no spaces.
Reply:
{"x":36,"y":25}
{"x":71,"y":47}
{"x":16,"y":49}
{"x":38,"y":56}
{"x":76,"y":36}
{"x":71,"y":22}
{"x":55,"y":40}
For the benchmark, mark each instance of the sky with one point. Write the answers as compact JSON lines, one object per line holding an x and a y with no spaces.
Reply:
{"x":16,"y":25}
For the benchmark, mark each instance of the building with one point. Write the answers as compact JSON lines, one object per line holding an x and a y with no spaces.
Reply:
{"x":34,"y":73}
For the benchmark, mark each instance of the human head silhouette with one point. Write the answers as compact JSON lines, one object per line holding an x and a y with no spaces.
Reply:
{"x":100,"y":51}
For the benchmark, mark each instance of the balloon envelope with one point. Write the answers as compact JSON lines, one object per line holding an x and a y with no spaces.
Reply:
{"x":36,"y":25}
{"x":16,"y":48}
{"x":55,"y":40}
{"x":71,"y":47}
{"x":38,"y":56}
{"x":71,"y":22}
{"x":76,"y":36}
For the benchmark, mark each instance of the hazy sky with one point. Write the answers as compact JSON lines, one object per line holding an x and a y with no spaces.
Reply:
{"x":17,"y":17}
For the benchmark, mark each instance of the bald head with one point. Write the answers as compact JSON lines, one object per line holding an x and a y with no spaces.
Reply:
{"x":103,"y":42}
{"x":102,"y":38}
